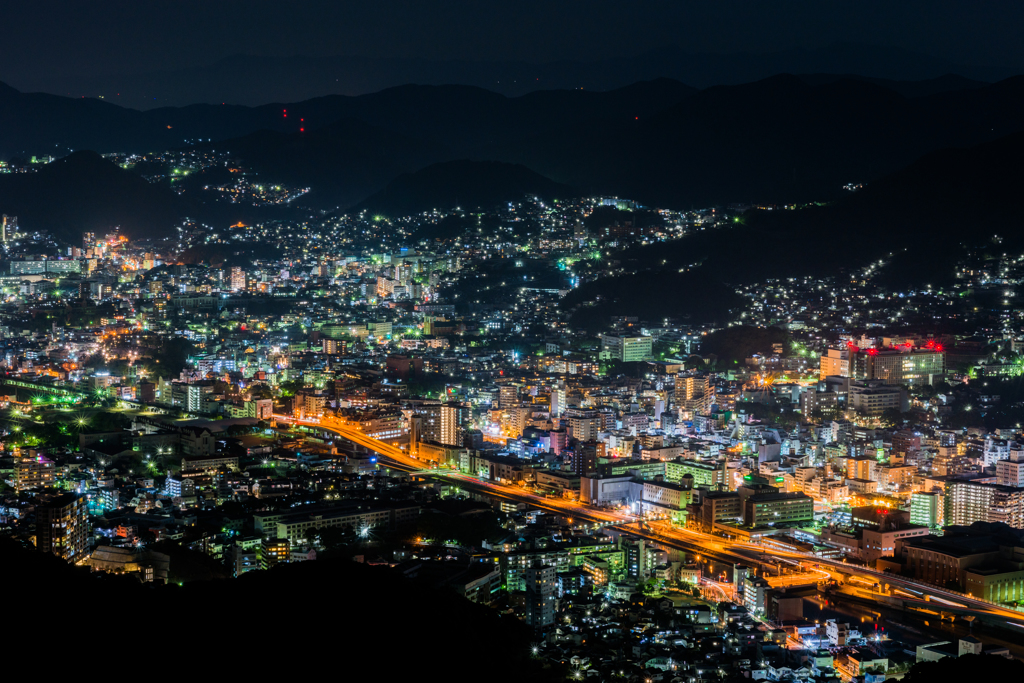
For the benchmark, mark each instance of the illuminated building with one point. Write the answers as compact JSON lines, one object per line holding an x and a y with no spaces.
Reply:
{"x":871,"y":398}
{"x":720,"y":506}
{"x":62,"y":526}
{"x":273,"y":551}
{"x":35,"y":471}
{"x":508,"y":395}
{"x":705,"y":475}
{"x":8,"y":226}
{"x":626,"y":349}
{"x":900,"y":365}
{"x":755,"y":594}
{"x":967,"y":502}
{"x":585,"y":456}
{"x":763,"y":509}
{"x":294,"y":526}
{"x":237,"y":279}
{"x":925,"y":508}
{"x":693,"y":391}
{"x":541,"y":592}
{"x":453,"y":417}
{"x":557,"y":401}
{"x":835,"y":362}
{"x":583,"y":425}
{"x":313,"y":403}
{"x":1010,"y":472}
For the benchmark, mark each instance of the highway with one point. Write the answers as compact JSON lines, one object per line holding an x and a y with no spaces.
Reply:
{"x":816,"y":568}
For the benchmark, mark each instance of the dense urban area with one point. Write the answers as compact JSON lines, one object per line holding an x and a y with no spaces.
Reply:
{"x":799,"y":479}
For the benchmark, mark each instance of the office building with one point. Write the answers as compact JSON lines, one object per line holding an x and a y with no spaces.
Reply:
{"x":835,"y":362}
{"x":625,"y":349}
{"x":900,"y":365}
{"x":763,"y":509}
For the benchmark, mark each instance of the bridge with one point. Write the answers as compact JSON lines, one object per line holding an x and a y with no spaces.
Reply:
{"x":69,"y":394}
{"x":685,"y":539}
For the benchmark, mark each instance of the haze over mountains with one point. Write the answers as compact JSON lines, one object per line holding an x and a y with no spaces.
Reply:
{"x":253,"y":80}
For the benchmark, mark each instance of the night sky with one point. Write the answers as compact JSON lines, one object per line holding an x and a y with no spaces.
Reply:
{"x":58,"y":45}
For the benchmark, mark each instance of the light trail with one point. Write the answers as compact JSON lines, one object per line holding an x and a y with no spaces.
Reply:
{"x":686,"y":539}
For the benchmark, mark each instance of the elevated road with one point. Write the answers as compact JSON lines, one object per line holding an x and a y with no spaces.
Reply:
{"x":676,"y":537}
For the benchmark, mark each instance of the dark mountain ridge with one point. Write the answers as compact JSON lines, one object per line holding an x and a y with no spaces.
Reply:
{"x":919,"y":221}
{"x":253,"y":79}
{"x":464,"y":184}
{"x":927,"y":215}
{"x":85,"y":192}
{"x":779,"y":140}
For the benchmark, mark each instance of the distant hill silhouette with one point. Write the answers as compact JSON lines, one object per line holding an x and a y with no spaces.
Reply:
{"x":920,"y":221}
{"x":85,"y":192}
{"x":253,"y":80}
{"x":926,"y":215}
{"x":466,"y":184}
{"x":779,"y":140}
{"x":345,"y":161}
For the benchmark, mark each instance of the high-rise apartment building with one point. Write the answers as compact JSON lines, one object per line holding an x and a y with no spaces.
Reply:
{"x":273,"y":551}
{"x":452,"y":421}
{"x":925,"y":508}
{"x":557,"y":401}
{"x":33,"y":471}
{"x":967,"y":502}
{"x":693,"y":391}
{"x":541,"y":592}
{"x":237,"y":279}
{"x":8,"y":226}
{"x":62,"y":526}
{"x":508,"y":395}
{"x":585,"y":457}
{"x":1010,"y":472}
{"x":583,"y":425}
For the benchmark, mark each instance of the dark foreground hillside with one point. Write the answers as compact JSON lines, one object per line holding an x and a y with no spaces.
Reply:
{"x":327,"y":617}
